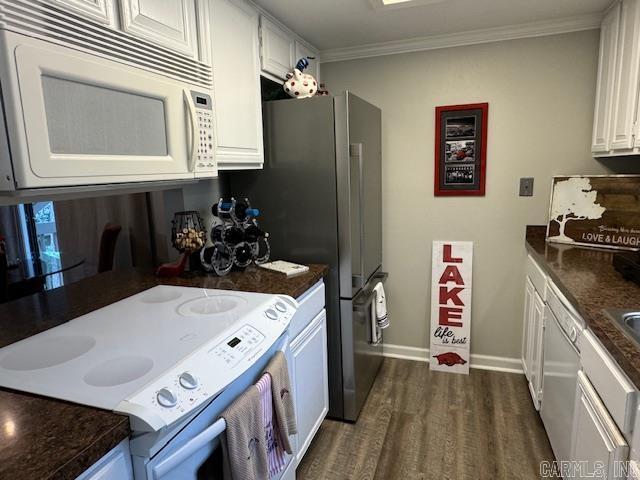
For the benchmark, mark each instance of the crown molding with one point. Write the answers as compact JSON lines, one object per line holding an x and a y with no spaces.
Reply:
{"x":432,"y":42}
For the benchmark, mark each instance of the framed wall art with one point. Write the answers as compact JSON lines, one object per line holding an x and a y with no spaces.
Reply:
{"x":461,"y":150}
{"x":596,"y":211}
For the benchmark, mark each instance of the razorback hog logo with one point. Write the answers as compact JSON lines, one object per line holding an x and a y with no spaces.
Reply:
{"x":450,"y":359}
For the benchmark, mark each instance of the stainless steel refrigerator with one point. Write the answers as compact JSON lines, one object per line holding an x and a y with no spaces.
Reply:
{"x":319,"y":195}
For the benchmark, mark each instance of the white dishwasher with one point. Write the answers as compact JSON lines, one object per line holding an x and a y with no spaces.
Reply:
{"x":562,"y":331}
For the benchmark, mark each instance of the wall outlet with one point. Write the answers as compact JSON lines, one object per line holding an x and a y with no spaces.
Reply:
{"x":526,"y":187}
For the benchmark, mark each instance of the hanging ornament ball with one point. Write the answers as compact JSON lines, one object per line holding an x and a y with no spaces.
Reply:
{"x":298,"y":84}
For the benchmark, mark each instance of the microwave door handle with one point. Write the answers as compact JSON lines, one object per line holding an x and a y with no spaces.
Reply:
{"x":193,"y":121}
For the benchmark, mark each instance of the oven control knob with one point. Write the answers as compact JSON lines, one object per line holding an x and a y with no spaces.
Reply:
{"x":281,"y":307}
{"x":167,"y":398}
{"x":188,"y":380}
{"x":271,"y":314}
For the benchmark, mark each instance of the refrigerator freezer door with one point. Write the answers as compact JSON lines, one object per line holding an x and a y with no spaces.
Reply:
{"x":296,"y":195}
{"x":361,"y":350}
{"x":359,"y":178}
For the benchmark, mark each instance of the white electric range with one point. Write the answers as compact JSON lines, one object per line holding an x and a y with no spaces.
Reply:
{"x":156,"y":356}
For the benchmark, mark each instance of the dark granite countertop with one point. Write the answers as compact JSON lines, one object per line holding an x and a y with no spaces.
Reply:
{"x":587,"y":278}
{"x":42,"y":438}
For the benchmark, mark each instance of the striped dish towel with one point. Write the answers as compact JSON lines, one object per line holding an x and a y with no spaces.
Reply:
{"x":380,"y":306}
{"x":276,"y":456}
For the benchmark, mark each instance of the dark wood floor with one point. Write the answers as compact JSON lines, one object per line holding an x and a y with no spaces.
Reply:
{"x":419,"y":424}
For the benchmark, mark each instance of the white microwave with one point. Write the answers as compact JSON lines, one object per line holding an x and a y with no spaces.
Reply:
{"x":73,"y":117}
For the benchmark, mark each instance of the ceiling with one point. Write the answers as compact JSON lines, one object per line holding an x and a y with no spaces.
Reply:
{"x":329,"y":24}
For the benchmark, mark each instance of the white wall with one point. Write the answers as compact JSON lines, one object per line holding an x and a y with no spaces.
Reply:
{"x":540,"y":93}
{"x":201,"y":196}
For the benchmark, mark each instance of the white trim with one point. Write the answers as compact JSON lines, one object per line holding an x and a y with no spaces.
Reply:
{"x":481,"y":362}
{"x":497,"y":34}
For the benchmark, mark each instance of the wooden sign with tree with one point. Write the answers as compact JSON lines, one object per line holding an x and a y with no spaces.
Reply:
{"x":595,"y":211}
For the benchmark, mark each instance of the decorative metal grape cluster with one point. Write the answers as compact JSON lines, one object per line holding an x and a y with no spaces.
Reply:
{"x":237,"y":239}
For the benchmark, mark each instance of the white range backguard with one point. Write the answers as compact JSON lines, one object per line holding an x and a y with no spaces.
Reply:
{"x":156,"y":356}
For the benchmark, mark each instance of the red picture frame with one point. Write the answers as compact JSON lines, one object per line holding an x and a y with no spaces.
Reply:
{"x":461,"y":150}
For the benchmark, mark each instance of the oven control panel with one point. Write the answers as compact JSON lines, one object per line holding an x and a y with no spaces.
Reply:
{"x":210,"y":369}
{"x":240,"y":344}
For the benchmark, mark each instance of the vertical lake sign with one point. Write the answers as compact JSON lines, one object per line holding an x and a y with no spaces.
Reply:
{"x":451,"y":272}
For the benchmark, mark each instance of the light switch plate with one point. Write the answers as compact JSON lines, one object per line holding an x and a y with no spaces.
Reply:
{"x":526,"y":187}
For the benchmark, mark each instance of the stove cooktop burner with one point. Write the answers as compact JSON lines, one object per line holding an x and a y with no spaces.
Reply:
{"x":107,"y":355}
{"x":48,"y":353}
{"x":210,"y":305}
{"x":160,"y":296}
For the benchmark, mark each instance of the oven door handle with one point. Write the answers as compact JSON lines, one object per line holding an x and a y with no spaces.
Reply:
{"x":208,"y":435}
{"x":193,"y":122}
{"x":196,"y":443}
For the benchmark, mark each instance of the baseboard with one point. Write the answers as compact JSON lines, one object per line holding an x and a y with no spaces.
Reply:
{"x":482,"y":362}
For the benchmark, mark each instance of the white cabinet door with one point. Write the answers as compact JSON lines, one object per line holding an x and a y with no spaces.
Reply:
{"x":313,"y":69}
{"x":99,"y":11}
{"x":597,"y":444}
{"x":311,"y":380}
{"x":115,"y":465}
{"x":277,"y":49}
{"x":536,"y":353}
{"x":605,"y":81}
{"x":526,"y":327}
{"x":169,"y":23}
{"x":236,"y":84}
{"x":625,"y":92}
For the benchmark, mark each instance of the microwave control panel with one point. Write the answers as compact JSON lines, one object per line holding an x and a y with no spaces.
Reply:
{"x":205,"y":160}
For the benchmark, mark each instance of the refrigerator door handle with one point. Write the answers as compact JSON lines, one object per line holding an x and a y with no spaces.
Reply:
{"x":376,"y":332}
{"x":364,"y":304}
{"x":366,"y":308}
{"x":356,"y":159}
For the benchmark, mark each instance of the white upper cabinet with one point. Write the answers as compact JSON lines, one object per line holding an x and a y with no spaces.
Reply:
{"x":170,"y":23}
{"x":615,"y":124}
{"x":303,"y":50}
{"x":605,"y":79}
{"x":100,"y":11}
{"x":625,"y":95}
{"x":236,"y":84}
{"x":277,"y":49}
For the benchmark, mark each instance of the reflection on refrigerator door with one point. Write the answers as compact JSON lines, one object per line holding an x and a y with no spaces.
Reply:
{"x":362,"y":347}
